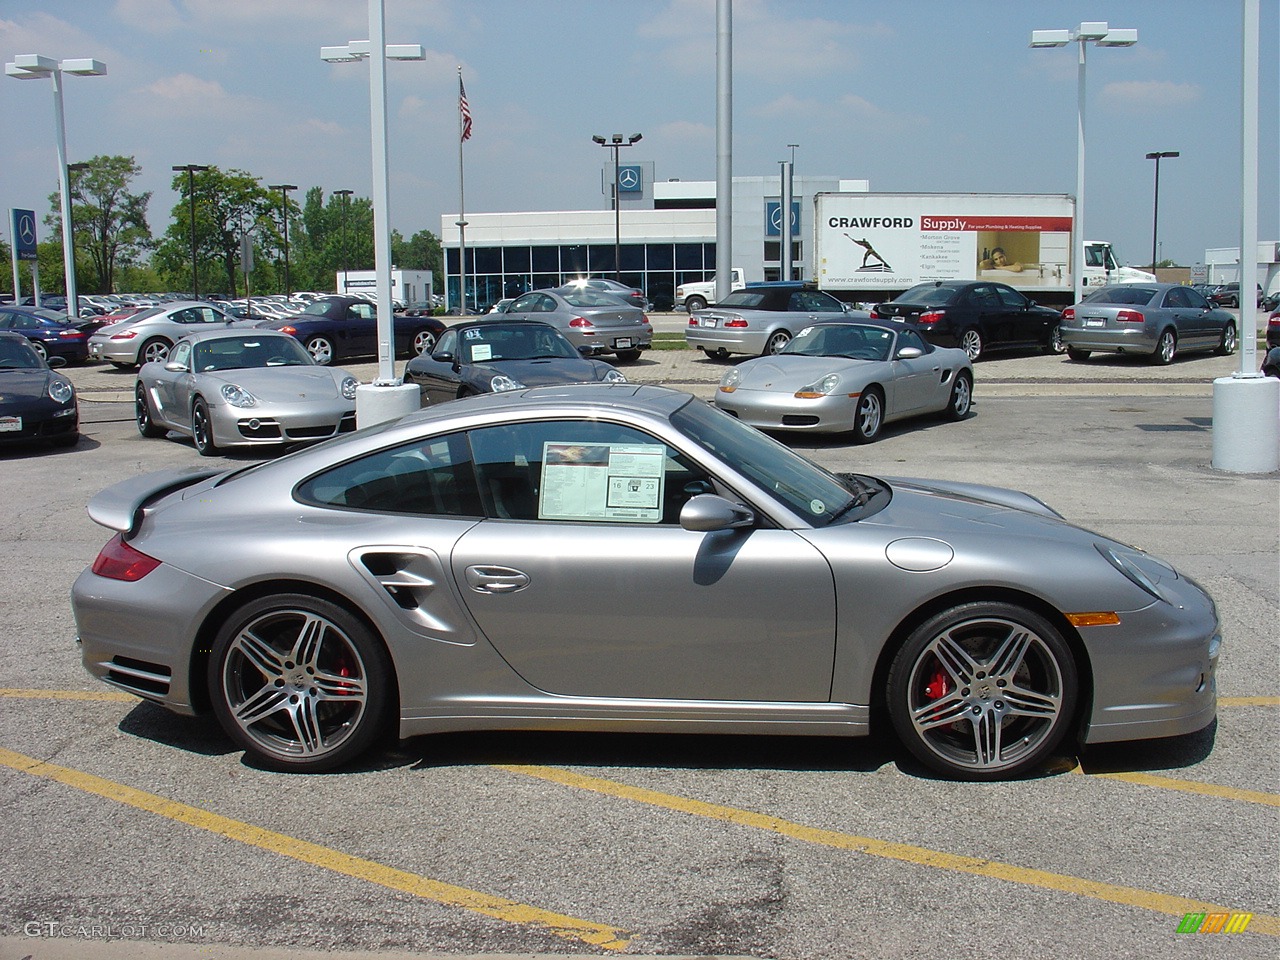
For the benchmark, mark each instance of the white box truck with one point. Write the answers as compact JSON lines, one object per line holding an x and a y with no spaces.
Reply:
{"x":879,"y":244}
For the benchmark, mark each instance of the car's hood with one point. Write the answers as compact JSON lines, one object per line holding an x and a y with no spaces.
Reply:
{"x":783,"y":372}
{"x":284,"y":384}
{"x":540,"y":373}
{"x":944,"y":508}
{"x":23,"y":384}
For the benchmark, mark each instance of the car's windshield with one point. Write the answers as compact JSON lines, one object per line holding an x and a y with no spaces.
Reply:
{"x":1122,"y":293}
{"x":492,"y":342}
{"x":239,"y":353}
{"x":16,"y":355}
{"x":856,"y":341}
{"x":927,"y":293}
{"x":798,"y":484}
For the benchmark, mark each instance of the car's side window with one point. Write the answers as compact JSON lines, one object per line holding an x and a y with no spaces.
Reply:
{"x":183,"y":316}
{"x":524,"y":304}
{"x":1197,"y":300}
{"x":1177,"y":297}
{"x":582,"y":471}
{"x":181,"y":354}
{"x":447,"y":344}
{"x":909,"y":338}
{"x":432,"y":477}
{"x":1011,"y":298}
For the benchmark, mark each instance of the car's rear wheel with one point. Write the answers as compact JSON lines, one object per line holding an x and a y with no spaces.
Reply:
{"x":1075,"y":353}
{"x":715,"y":353}
{"x":155,"y":350}
{"x":1055,"y":346}
{"x":41,"y":350}
{"x":868,"y":416}
{"x":776,"y":343}
{"x":971,"y":343}
{"x":1166,"y":348}
{"x":961,"y":401}
{"x":321,"y":350}
{"x":1228,"y":344}
{"x":142,"y":414}
{"x":299,"y":682}
{"x":424,"y":341}
{"x":202,"y":429}
{"x":628,"y":356}
{"x":983,"y":691}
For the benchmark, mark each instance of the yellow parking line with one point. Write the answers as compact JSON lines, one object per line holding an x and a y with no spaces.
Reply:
{"x":96,"y":695}
{"x":1190,"y":786}
{"x":1249,"y":701}
{"x":571,"y":928}
{"x":920,"y":856}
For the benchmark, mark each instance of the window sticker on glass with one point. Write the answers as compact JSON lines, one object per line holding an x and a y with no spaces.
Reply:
{"x":600,"y":481}
{"x":481,"y":352}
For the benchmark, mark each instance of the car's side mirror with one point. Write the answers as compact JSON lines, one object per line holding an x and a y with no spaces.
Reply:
{"x":586,"y":350}
{"x":445,"y":357}
{"x":54,"y":362}
{"x":175,"y":367}
{"x":910,"y":353}
{"x":707,"y":513}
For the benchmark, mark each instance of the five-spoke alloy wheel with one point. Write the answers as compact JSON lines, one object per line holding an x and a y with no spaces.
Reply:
{"x":983,"y":691}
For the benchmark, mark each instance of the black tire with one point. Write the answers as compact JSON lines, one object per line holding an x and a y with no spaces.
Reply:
{"x":1166,"y":348}
{"x":1075,"y":353}
{"x":776,"y":343}
{"x":121,"y":366}
{"x":424,"y":341}
{"x":961,"y":400}
{"x":155,"y":350}
{"x":41,"y":350}
{"x":202,"y":429}
{"x":715,"y":353}
{"x":695,"y":303}
{"x":67,"y":440}
{"x":299,"y":682}
{"x":143,"y":416}
{"x":868,"y":415}
{"x":1055,"y":346}
{"x":628,"y":356}
{"x":321,"y":350}
{"x":983,"y":691}
{"x":971,"y":343}
{"x":1227,"y":346}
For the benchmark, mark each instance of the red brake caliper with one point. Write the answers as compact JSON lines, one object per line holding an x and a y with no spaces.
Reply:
{"x":939,"y":685}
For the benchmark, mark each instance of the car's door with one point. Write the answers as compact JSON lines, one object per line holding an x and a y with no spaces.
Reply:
{"x":172,"y":388}
{"x":984,"y":311}
{"x":915,"y":379}
{"x":360,"y":330}
{"x":434,"y":373}
{"x":588,"y":586}
{"x":1197,"y":324}
{"x":525,"y":305}
{"x":1018,"y":322}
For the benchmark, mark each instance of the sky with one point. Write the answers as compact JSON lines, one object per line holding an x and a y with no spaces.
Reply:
{"x":913,"y":96}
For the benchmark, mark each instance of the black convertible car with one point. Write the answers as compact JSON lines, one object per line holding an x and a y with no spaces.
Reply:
{"x":35,"y":402}
{"x":337,"y":328}
{"x":493,"y":356}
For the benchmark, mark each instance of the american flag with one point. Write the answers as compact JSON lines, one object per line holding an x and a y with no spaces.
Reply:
{"x":464,"y":110}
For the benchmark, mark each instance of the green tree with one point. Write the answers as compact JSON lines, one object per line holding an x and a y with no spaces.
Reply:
{"x":110,"y":223}
{"x":422,"y":251}
{"x":227,"y":205}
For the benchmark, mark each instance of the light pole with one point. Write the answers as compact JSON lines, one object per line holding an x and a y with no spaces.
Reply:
{"x":1104,"y":36}
{"x":1155,"y":211}
{"x":74,"y":168}
{"x":284,"y":189}
{"x":191,"y":169}
{"x":32,"y":66}
{"x":386,"y":398}
{"x":346,"y":196}
{"x":616,"y":143}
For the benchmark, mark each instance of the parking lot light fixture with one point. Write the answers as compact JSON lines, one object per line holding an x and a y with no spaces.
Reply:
{"x":191,"y":169}
{"x":615,"y":143}
{"x":1155,"y":212}
{"x":374,"y":404}
{"x":33,"y":66}
{"x":284,"y":189}
{"x":1104,"y":35}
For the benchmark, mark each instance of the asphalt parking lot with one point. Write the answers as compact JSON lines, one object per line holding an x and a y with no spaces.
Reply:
{"x":134,"y":833}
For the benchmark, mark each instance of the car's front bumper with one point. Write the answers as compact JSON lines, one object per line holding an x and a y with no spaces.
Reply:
{"x":278,"y":423}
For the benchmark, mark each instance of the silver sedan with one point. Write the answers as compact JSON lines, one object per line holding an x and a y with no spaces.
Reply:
{"x":1157,"y":320}
{"x":849,"y":377}
{"x":236,"y":388}
{"x":761,"y":319}
{"x":589,"y":318}
{"x":626,"y":557}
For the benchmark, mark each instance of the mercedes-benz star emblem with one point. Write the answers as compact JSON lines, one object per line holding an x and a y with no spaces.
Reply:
{"x":26,"y":229}
{"x":629,"y":178}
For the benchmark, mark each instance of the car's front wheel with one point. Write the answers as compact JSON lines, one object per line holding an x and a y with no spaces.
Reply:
{"x":961,"y":401}
{"x":142,"y":414}
{"x":983,"y":691}
{"x":299,"y":682}
{"x":868,"y":416}
{"x":202,"y":429}
{"x":695,"y":303}
{"x":321,"y":350}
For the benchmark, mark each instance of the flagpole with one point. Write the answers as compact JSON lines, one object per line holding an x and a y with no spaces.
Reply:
{"x":463,"y":133}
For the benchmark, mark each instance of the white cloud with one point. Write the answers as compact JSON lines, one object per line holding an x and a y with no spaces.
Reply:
{"x":1151,"y":94}
{"x":151,"y":16}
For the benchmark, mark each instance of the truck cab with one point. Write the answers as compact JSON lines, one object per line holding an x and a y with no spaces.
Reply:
{"x":695,"y":296}
{"x":1102,"y":268}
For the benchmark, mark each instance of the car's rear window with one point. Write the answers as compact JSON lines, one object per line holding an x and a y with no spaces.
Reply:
{"x":1122,"y":293}
{"x":927,"y":294}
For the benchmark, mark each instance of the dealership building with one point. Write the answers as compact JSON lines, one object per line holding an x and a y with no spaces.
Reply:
{"x":664,"y":233}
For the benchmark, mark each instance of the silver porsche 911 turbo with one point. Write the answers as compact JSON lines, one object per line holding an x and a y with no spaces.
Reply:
{"x":849,"y":377}
{"x":234,"y":387}
{"x":626,"y":557}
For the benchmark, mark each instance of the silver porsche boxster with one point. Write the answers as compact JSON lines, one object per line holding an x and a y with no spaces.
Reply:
{"x":626,"y":557}
{"x":233,"y":387}
{"x":849,"y":377}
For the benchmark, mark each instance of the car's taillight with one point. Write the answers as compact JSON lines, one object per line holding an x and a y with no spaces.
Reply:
{"x":738,"y":322}
{"x":119,"y":561}
{"x":1130,"y":316}
{"x":72,"y":334}
{"x":1069,"y":313}
{"x":933,"y":316}
{"x":582,"y":323}
{"x":127,"y":335}
{"x":876,"y":314}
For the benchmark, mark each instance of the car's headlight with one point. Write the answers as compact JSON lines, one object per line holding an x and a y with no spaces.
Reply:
{"x":731,"y":380}
{"x":237,"y":396}
{"x":1141,"y":568}
{"x":349,"y":388}
{"x":501,"y":384}
{"x":614,"y":376}
{"x":61,"y":392}
{"x":820,"y":388}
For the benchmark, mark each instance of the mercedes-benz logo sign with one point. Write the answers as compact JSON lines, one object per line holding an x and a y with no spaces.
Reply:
{"x":26,"y":229}
{"x":775,"y":217}
{"x":629,"y":178}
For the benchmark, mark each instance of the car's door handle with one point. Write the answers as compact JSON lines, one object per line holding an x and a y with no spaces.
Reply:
{"x":489,"y":579}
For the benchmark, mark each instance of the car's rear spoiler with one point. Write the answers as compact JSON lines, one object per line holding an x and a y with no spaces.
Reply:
{"x":119,"y":507}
